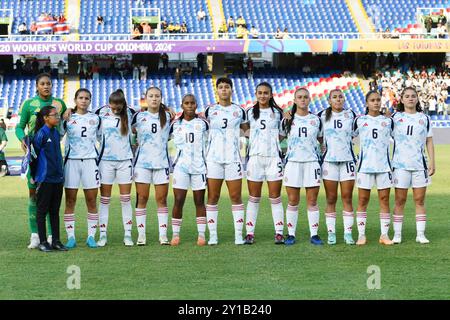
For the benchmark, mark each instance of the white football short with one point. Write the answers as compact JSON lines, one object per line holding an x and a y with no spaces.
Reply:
{"x":338,"y":171}
{"x":116,"y":171}
{"x":261,"y":169}
{"x":302,"y":174}
{"x":151,"y":176}
{"x":227,"y":171}
{"x":183,"y":180}
{"x":405,"y":179}
{"x":81,"y":171}
{"x":382,"y":180}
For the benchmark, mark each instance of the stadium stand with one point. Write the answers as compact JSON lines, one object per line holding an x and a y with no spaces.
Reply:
{"x":296,"y":16}
{"x":116,"y":15}
{"x":29,"y":11}
{"x":399,"y":14}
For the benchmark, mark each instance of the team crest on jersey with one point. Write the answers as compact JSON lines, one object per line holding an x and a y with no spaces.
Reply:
{"x":236,"y":114}
{"x":421,"y":122}
{"x":346,"y":116}
{"x":92,"y":122}
{"x":197,"y":127}
{"x":272,"y":116}
{"x":313,"y":123}
{"x":179,"y":129}
{"x":383,"y":124}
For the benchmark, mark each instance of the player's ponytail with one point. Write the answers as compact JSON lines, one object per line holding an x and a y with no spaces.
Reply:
{"x":401,"y":106}
{"x":118,"y":97}
{"x":40,"y":122}
{"x":291,"y":120}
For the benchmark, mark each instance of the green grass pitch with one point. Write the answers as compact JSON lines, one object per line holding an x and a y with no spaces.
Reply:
{"x":227,"y":271}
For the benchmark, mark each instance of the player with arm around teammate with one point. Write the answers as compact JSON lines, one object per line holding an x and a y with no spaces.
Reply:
{"x":116,"y":163}
{"x":412,"y":134}
{"x":374,"y":165}
{"x":27,"y":122}
{"x":302,"y":170}
{"x":339,"y":162}
{"x":190,"y":135}
{"x":80,"y":166}
{"x":264,"y":160}
{"x":223,"y":159}
{"x":151,"y":164}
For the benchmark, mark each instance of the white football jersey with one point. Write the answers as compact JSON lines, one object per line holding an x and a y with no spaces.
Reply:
{"x":374,"y":134}
{"x":410,"y":134}
{"x":114,"y":145}
{"x":82,"y":132}
{"x":338,"y":135}
{"x":302,"y":138}
{"x":152,"y":140}
{"x":264,"y":132}
{"x":190,"y":139}
{"x":224,"y":134}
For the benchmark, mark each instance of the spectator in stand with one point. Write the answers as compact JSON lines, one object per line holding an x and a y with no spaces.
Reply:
{"x":395,"y":34}
{"x":428,"y":23}
{"x":33,"y":28}
{"x":100,"y":20}
{"x":286,"y":34}
{"x":165,"y":61}
{"x":178,"y":76}
{"x":230,"y":23}
{"x":442,"y":31}
{"x":387,"y":33}
{"x":136,"y":72}
{"x":19,"y":67}
{"x":250,"y":68}
{"x":442,"y":18}
{"x":201,"y":14}
{"x":278,"y":34}
{"x":241,"y":22}
{"x":241,"y":32}
{"x":200,"y":61}
{"x":62,"y":18}
{"x":164,"y":26}
{"x":95,"y":70}
{"x":147,"y":29}
{"x":137,"y":33}
{"x":139,"y":3}
{"x":143,"y":70}
{"x":254,"y":33}
{"x":222,"y":29}
{"x":23,"y":28}
{"x":61,"y":69}
{"x":442,"y":107}
{"x":183,"y":28}
{"x":35,"y":66}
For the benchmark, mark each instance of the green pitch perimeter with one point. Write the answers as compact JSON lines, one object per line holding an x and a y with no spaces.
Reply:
{"x":227,"y":271}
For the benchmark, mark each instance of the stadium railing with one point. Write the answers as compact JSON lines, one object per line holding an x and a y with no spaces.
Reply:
{"x":221,"y":36}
